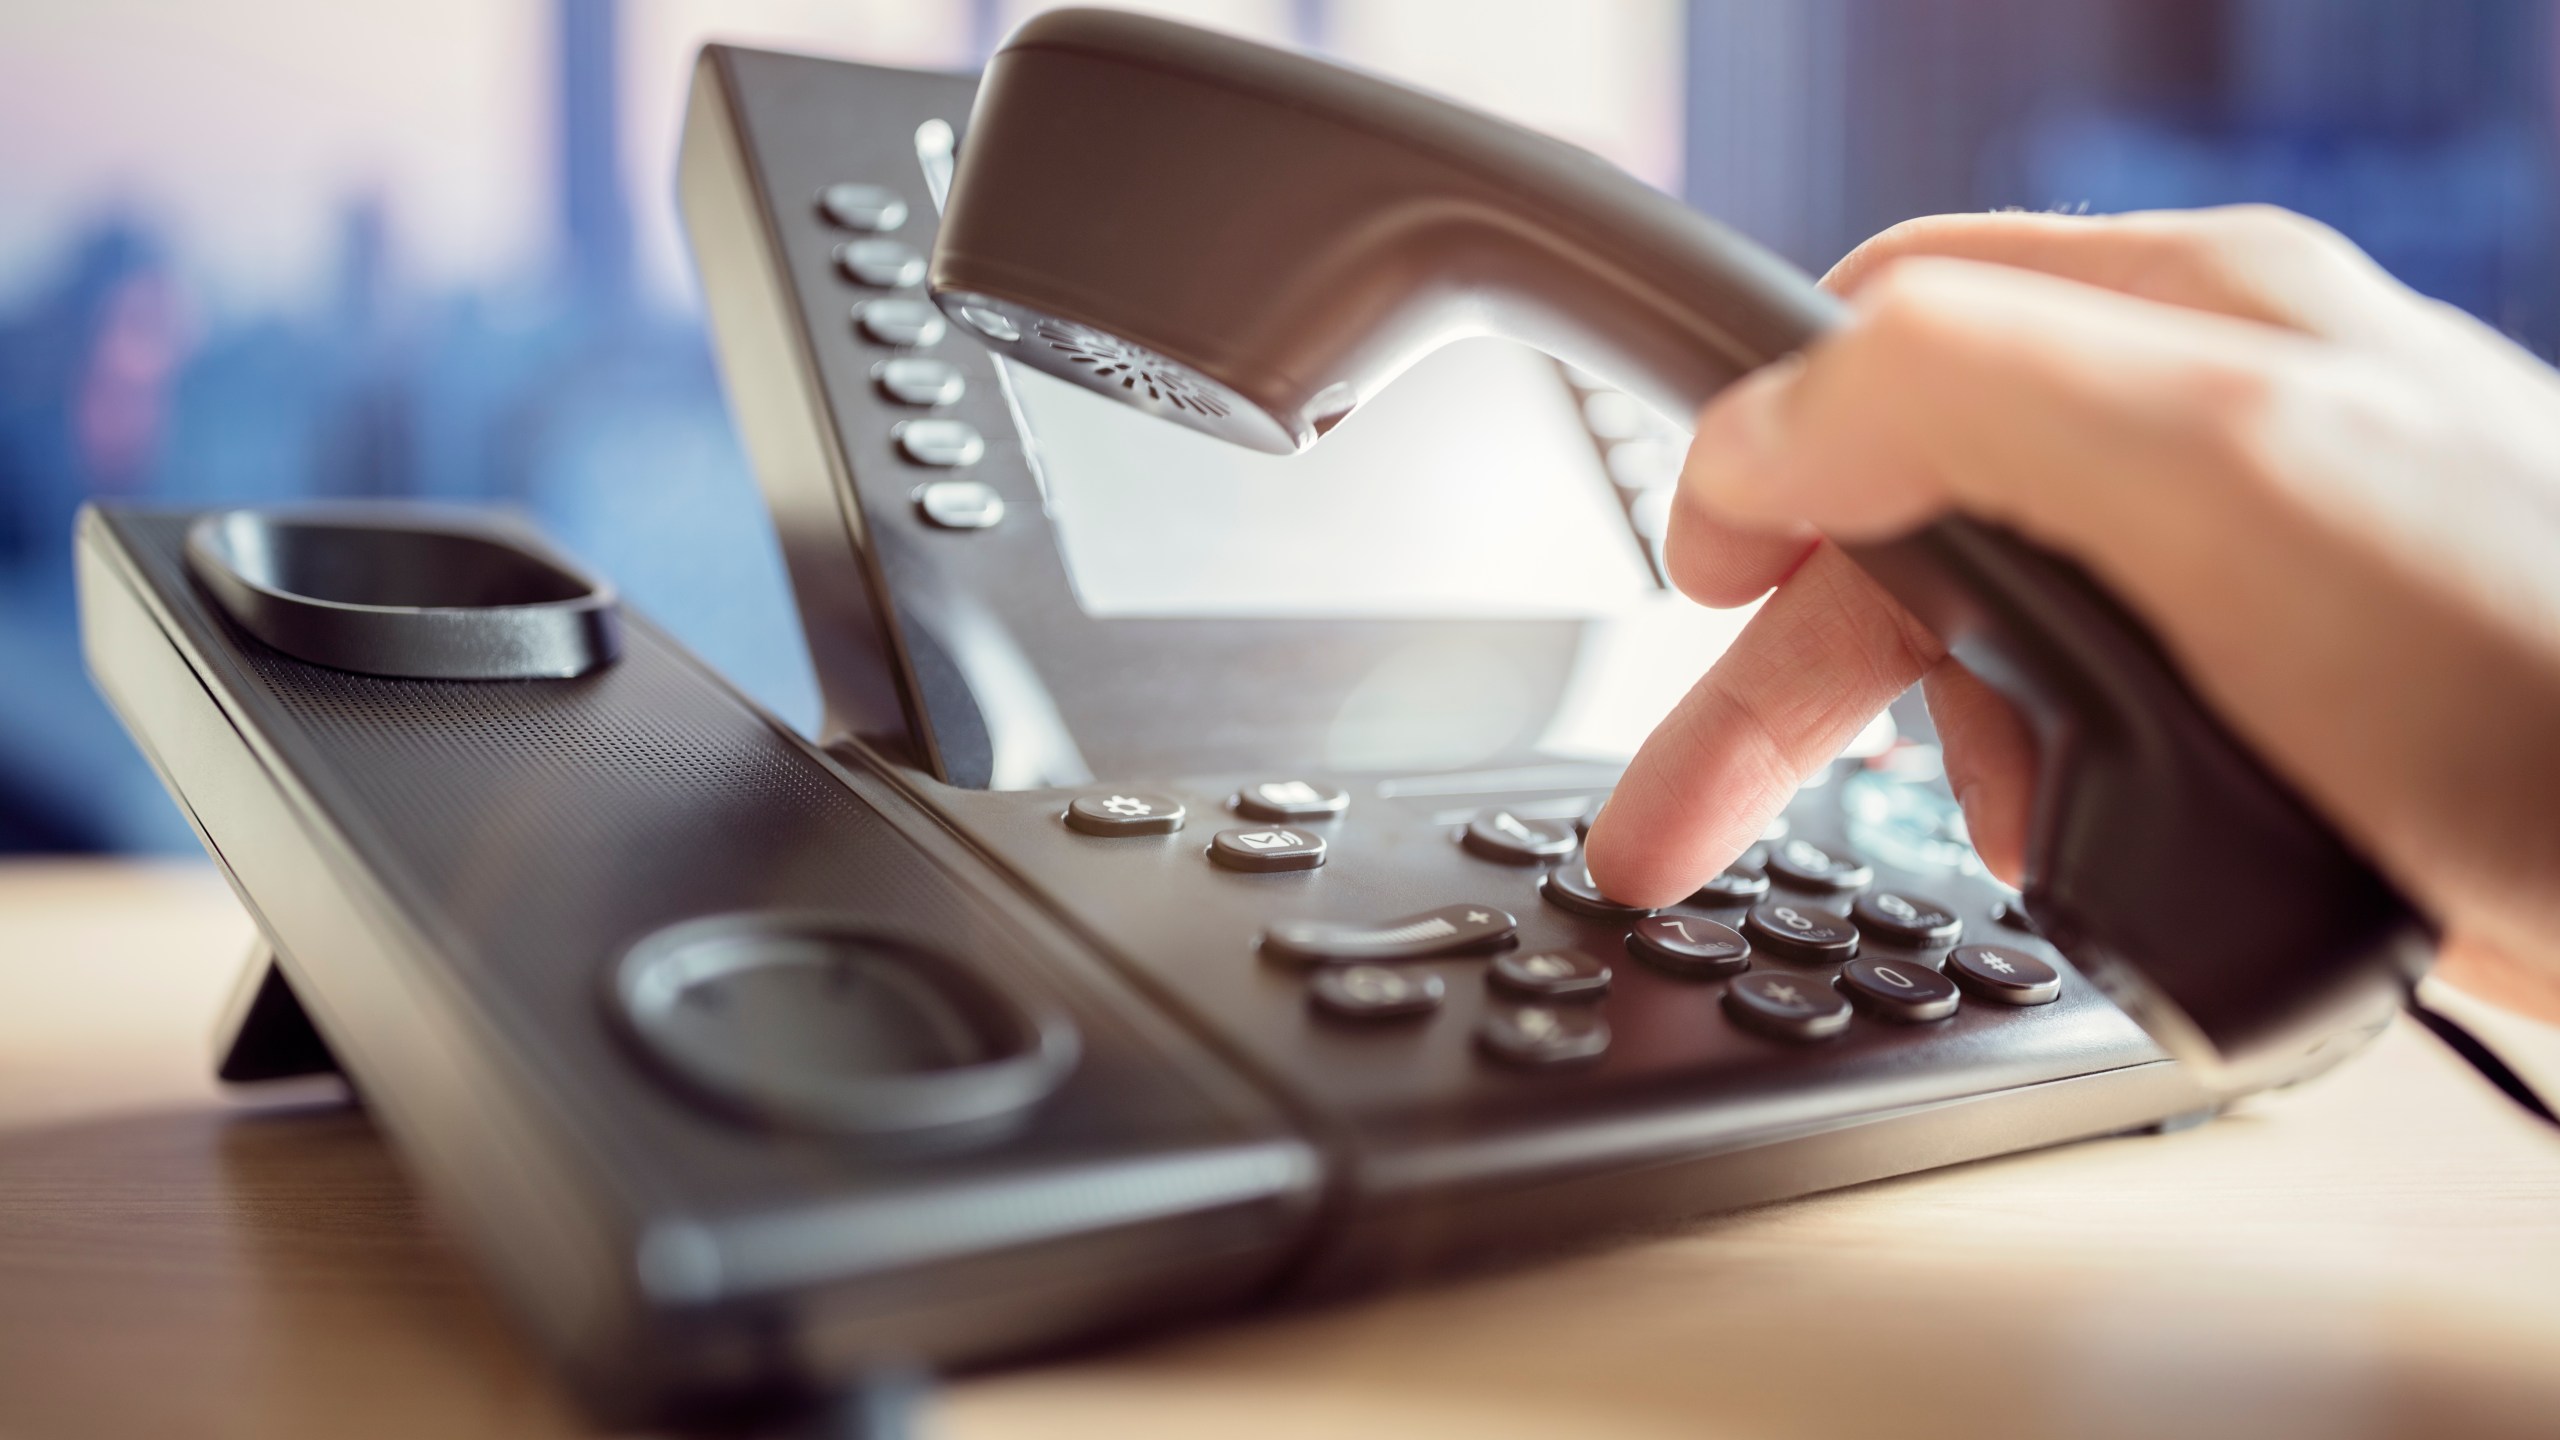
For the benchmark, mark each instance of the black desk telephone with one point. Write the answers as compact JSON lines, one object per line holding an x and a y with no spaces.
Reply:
{"x":1128,"y":950}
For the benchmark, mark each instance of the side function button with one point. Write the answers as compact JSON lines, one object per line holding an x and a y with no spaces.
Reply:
{"x":1265,"y":851}
{"x":961,"y":504}
{"x":1549,"y":974}
{"x":1786,"y":1007}
{"x":920,"y":380}
{"x":1519,"y":840}
{"x":1447,"y":930}
{"x":1803,"y":863}
{"x":1738,"y":885}
{"x":1373,"y":992}
{"x":1543,"y":1034}
{"x":2005,"y":976}
{"x":903,"y":323}
{"x":1800,"y":932}
{"x":1569,"y":887}
{"x":1906,"y":920}
{"x":1688,"y":946}
{"x":945,"y":444}
{"x":1291,"y":800}
{"x":1118,"y":814}
{"x":1903,"y":990}
{"x":853,"y":206}
{"x":880,"y":263}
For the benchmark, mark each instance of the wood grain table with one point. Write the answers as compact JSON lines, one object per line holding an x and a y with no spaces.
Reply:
{"x":2377,"y":1254}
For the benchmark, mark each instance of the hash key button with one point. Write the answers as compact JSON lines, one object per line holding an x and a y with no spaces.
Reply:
{"x":1801,"y":932}
{"x":1903,"y":990}
{"x":1445,"y":931}
{"x":1262,"y":851}
{"x":1785,"y":1006}
{"x":1803,"y":863}
{"x":1373,"y":992}
{"x":2010,"y":977}
{"x":1115,"y":814}
{"x":1687,"y":945}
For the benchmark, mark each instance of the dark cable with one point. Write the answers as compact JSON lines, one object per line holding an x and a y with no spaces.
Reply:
{"x":2481,"y":1058}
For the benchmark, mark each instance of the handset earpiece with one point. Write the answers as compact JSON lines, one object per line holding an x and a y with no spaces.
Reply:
{"x":1249,"y":242}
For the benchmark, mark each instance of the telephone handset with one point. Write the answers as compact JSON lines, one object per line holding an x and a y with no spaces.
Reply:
{"x":1250,"y":242}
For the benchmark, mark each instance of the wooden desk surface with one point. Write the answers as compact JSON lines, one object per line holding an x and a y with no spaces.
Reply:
{"x":2376,"y":1254}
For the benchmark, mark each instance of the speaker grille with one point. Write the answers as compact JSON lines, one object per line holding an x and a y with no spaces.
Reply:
{"x":1110,"y":361}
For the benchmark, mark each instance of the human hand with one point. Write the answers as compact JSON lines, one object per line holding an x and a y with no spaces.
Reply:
{"x":2336,"y":503}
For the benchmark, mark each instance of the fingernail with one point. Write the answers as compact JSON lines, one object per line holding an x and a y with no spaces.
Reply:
{"x":1740,"y":435}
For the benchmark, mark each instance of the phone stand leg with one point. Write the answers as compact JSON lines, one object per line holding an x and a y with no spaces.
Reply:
{"x":264,"y":1033}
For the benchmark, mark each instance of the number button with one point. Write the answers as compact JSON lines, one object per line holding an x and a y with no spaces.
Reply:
{"x":1543,"y":1035}
{"x":1801,"y":932}
{"x":1373,"y":992}
{"x":1902,"y":990}
{"x":1807,"y":865}
{"x":1786,"y":1007}
{"x":2009,"y":977}
{"x":1569,"y":887}
{"x":1688,"y":946}
{"x":1907,"y":920}
{"x":1549,"y":974}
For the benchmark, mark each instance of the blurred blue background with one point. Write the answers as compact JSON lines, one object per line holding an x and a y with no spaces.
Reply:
{"x":262,"y":250}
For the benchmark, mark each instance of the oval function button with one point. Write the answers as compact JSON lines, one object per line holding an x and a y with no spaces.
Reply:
{"x":1801,"y":862}
{"x":1549,"y":974}
{"x":1737,"y":885}
{"x":1373,"y":992}
{"x":1291,"y":800}
{"x":920,"y":380}
{"x":1569,"y":887}
{"x":2009,"y":977}
{"x":1786,"y":1007}
{"x":1447,"y":930}
{"x":944,"y":444}
{"x":1543,"y":1034}
{"x":991,"y":322}
{"x":960,"y":504}
{"x":1800,"y":932}
{"x":1906,"y":919}
{"x":1519,"y":840}
{"x":904,"y":323}
{"x":853,"y":206}
{"x":1903,"y":990}
{"x":880,"y":263}
{"x":1264,"y":851}
{"x":1688,"y":946}
{"x":1121,"y":813}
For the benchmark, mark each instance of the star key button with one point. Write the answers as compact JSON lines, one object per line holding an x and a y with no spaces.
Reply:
{"x":1784,"y":1006}
{"x":1117,"y":813}
{"x":1264,"y":851}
